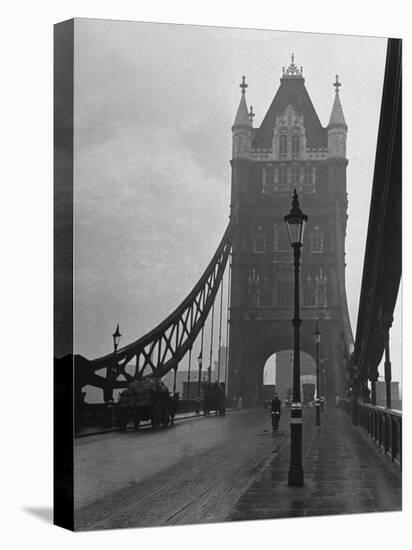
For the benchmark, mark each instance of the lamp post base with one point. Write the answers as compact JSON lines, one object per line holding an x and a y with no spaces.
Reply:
{"x":295,"y":475}
{"x":317,"y":412}
{"x":295,"y":478}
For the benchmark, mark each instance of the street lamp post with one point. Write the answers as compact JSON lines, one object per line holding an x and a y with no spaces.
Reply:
{"x":108,"y":391}
{"x":116,"y":338}
{"x":295,"y":223}
{"x":316,"y":337}
{"x":321,"y":382}
{"x":199,"y":381}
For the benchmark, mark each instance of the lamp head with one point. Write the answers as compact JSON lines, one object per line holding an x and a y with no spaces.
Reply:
{"x":116,"y":338}
{"x":295,"y":222}
{"x":317,"y":334}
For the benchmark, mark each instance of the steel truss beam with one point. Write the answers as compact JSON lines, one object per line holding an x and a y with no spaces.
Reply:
{"x":161,"y":349}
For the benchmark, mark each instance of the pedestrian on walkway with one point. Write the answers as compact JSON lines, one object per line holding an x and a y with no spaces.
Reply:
{"x":275,"y":411}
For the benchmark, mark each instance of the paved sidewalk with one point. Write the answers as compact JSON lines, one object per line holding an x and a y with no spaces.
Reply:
{"x":344,"y":473}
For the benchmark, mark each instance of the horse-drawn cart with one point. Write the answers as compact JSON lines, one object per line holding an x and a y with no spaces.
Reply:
{"x":146,"y":400}
{"x":213,"y":398}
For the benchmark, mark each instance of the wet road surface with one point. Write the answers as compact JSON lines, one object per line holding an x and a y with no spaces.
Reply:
{"x":193,"y":472}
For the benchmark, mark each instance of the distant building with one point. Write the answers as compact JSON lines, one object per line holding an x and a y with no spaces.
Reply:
{"x":181,"y":377}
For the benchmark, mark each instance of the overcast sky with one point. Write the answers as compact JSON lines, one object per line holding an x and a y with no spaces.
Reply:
{"x":154,"y":106}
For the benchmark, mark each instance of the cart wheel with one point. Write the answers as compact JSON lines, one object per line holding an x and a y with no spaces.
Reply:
{"x":156,"y":417}
{"x":166,"y":419}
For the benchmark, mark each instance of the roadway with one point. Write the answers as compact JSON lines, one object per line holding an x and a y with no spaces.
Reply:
{"x":193,"y":472}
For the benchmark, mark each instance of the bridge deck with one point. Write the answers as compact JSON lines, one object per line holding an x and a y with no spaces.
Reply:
{"x":344,"y":473}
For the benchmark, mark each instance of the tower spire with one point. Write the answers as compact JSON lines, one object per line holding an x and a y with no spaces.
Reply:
{"x":242,"y":116}
{"x":336,"y":117}
{"x":242,"y":127}
{"x":337,"y":127}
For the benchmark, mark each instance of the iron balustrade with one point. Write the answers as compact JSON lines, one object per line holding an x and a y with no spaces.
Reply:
{"x":384,"y":427}
{"x":94,"y":415}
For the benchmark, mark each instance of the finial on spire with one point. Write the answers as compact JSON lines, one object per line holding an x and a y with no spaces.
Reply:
{"x":292,"y":71}
{"x":337,"y":84}
{"x":251,"y":114}
{"x":243,"y":85}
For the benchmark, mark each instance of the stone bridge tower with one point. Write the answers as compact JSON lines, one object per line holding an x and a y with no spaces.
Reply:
{"x":290,"y":150}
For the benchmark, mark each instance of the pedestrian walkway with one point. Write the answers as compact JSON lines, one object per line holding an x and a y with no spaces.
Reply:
{"x":344,"y":473}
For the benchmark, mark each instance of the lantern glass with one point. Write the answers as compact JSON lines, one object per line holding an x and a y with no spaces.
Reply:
{"x":295,"y":222}
{"x":116,"y":337}
{"x":317,"y":334}
{"x":296,"y":227}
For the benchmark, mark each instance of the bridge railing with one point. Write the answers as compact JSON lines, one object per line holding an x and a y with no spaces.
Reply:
{"x":97,"y":415}
{"x":384,"y":426}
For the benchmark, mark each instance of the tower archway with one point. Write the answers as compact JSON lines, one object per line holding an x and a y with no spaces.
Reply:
{"x":278,"y":376}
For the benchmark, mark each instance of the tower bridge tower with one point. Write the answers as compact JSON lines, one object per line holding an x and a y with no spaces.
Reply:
{"x":290,"y":149}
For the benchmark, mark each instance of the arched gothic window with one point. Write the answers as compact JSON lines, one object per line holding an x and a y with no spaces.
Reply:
{"x":282,"y":172}
{"x":259,"y":241}
{"x":316,"y":240}
{"x":315,"y":289}
{"x":295,"y":145}
{"x":295,"y":174}
{"x":269,"y":171}
{"x":283,"y":239}
{"x":321,"y":284}
{"x":313,"y":175}
{"x":276,"y":175}
{"x":301,"y":175}
{"x":283,"y":145}
{"x":264,"y":176}
{"x":265,"y":294}
{"x":253,"y":289}
{"x":284,"y":292}
{"x":308,"y":175}
{"x":275,"y":237}
{"x":309,"y":291}
{"x":289,"y":174}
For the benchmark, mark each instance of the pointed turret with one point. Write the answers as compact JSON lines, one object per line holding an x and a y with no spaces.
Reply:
{"x":337,"y":127}
{"x":242,"y":115}
{"x":242,"y":127}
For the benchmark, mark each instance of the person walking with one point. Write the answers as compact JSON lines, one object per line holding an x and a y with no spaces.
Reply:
{"x":275,"y":412}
